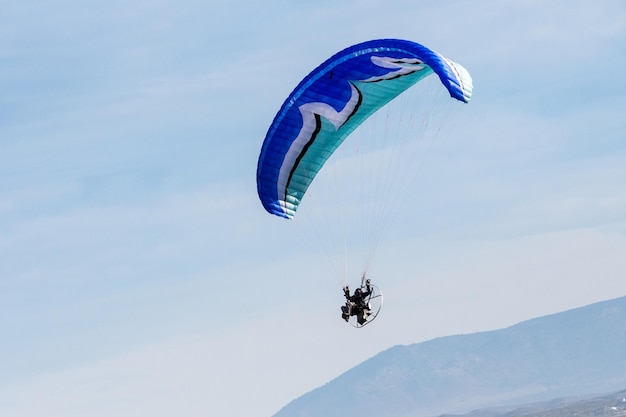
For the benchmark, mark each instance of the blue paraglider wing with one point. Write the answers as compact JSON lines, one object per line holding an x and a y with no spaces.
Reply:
{"x":332,"y":101}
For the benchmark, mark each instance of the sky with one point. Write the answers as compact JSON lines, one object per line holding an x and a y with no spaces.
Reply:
{"x":139,"y":274}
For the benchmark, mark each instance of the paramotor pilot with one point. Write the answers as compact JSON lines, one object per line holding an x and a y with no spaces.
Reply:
{"x":356,"y":304}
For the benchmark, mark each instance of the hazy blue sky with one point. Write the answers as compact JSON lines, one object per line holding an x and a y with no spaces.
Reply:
{"x":139,"y":274}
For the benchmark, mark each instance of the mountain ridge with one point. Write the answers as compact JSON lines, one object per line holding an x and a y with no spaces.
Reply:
{"x":579,"y":351}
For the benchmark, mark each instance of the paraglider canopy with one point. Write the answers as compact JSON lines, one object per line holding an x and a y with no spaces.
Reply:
{"x":332,"y":101}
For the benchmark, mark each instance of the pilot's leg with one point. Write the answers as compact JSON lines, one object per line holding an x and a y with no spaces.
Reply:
{"x":345,"y":312}
{"x":360,"y":318}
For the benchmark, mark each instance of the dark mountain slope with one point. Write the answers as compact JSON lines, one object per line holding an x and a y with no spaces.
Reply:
{"x":608,"y":405}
